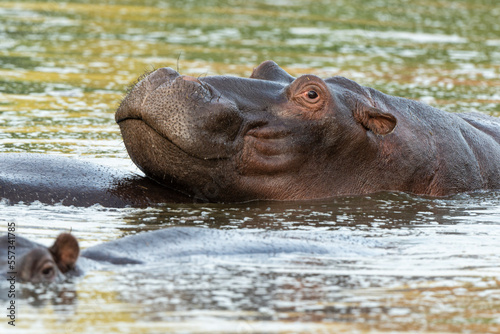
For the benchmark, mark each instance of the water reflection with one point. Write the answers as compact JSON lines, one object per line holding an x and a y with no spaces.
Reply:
{"x":399,"y":258}
{"x":65,"y":67}
{"x":383,"y":210}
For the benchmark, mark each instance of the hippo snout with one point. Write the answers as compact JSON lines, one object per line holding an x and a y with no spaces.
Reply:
{"x":186,"y":111}
{"x":161,"y":76}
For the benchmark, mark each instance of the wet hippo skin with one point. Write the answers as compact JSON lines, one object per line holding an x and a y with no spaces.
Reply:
{"x":53,"y":179}
{"x":270,"y":136}
{"x":273,"y":136}
{"x":37,"y":263}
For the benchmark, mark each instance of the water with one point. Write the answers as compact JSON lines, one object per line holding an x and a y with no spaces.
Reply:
{"x":414,"y":265}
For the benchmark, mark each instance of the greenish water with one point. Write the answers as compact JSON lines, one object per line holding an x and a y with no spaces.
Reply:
{"x":65,"y":66}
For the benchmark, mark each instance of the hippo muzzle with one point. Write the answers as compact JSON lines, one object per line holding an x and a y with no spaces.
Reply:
{"x":189,"y":113}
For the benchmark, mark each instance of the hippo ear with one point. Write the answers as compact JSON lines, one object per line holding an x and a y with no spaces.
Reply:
{"x":375,"y":120}
{"x":65,"y":251}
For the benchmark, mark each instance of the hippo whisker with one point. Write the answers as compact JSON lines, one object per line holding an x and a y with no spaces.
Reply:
{"x":177,"y":63}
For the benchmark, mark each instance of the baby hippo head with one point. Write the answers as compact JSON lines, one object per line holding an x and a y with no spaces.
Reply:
{"x":45,"y":265}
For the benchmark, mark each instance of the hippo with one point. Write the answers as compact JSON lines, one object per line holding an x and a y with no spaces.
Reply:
{"x":267,"y":137}
{"x":273,"y":136}
{"x":39,"y":264}
{"x":53,"y":179}
{"x":32,"y":262}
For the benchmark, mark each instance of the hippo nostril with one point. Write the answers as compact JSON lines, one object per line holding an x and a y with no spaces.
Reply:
{"x":161,"y":76}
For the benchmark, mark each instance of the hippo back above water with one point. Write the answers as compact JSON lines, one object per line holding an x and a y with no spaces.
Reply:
{"x":273,"y":136}
{"x":36,"y":263}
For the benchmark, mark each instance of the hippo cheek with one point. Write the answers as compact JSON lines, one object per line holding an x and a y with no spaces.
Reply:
{"x":271,"y":151}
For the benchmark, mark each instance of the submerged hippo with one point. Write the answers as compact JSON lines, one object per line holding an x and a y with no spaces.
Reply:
{"x":37,"y":263}
{"x":270,"y":136}
{"x":52,"y":179}
{"x":273,"y":136}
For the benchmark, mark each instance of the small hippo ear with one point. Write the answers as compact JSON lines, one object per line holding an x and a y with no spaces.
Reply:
{"x":65,"y":251}
{"x":375,"y":120}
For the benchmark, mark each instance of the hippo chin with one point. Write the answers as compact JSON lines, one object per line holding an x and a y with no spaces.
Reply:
{"x":273,"y":136}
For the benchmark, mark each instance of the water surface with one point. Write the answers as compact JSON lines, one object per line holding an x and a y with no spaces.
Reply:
{"x":411,"y":264}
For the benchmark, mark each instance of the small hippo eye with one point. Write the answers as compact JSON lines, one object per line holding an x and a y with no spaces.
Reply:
{"x":312,"y":95}
{"x":49,"y":271}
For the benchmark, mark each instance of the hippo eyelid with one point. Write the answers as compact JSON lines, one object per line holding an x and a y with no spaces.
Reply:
{"x":306,"y":83}
{"x":48,"y":271}
{"x":311,"y":96}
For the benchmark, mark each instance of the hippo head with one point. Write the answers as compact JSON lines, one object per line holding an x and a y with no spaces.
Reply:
{"x":270,"y":136}
{"x":45,"y":265}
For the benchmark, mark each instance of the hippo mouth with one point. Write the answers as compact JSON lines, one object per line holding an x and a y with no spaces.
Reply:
{"x":264,"y":149}
{"x":149,"y":130}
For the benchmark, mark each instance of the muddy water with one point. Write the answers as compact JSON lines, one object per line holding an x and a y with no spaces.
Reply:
{"x":402,"y":264}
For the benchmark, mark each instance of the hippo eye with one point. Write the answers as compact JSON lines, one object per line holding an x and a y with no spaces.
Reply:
{"x":312,"y":95}
{"x":48,"y":271}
